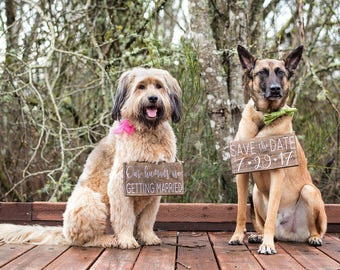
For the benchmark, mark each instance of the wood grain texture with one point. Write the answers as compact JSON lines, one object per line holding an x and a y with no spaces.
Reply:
{"x":179,"y":250}
{"x":171,"y":216}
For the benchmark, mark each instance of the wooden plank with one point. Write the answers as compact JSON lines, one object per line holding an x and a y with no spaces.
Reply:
{"x":46,"y":211}
{"x":36,"y":258}
{"x":333,"y":213}
{"x":76,"y":258}
{"x":171,"y":216}
{"x":15,"y":211}
{"x":196,"y":226}
{"x":309,"y":257}
{"x":198,"y":212}
{"x":9,"y":252}
{"x":281,"y":260}
{"x":331,"y":247}
{"x":114,"y":258}
{"x":199,"y":226}
{"x":195,"y":251}
{"x":232,"y":256}
{"x":158,"y":257}
{"x":336,"y":236}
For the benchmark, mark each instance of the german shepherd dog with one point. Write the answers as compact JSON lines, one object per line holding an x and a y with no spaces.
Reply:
{"x":287,"y":205}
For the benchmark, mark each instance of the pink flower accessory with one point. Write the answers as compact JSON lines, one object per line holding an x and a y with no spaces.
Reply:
{"x":124,"y":126}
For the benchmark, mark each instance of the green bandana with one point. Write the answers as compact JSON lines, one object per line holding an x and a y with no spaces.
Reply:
{"x":270,"y":117}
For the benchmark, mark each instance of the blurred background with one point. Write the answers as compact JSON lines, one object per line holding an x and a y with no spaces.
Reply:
{"x":60,"y":60}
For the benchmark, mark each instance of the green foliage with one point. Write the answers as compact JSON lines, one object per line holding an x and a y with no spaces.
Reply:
{"x":317,"y":130}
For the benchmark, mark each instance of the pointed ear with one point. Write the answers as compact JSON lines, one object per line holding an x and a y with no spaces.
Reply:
{"x":293,"y":59}
{"x":120,"y":94}
{"x":246,"y":58}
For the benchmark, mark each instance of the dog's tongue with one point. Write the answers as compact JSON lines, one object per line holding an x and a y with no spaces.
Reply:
{"x":151,"y":112}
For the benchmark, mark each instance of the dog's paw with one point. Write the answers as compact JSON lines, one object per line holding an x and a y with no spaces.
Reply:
{"x":315,"y":241}
{"x":236,"y":239}
{"x":149,"y":239}
{"x":127,"y":242}
{"x":267,"y":249}
{"x":255,"y":238}
{"x":104,"y":241}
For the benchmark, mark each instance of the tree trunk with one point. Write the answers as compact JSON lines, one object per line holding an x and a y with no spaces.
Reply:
{"x":219,"y":75}
{"x":216,"y":38}
{"x":213,"y":76}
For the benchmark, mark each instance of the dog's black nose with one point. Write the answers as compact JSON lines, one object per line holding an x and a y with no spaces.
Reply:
{"x":275,"y":90}
{"x":152,"y":99}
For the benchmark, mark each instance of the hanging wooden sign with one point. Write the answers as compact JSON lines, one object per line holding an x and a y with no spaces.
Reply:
{"x":148,"y":179}
{"x":265,"y":153}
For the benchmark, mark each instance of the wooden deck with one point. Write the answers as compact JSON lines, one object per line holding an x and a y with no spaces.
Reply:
{"x":194,"y":236}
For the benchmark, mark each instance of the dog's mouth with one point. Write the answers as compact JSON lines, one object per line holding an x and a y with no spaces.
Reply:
{"x":151,"y":116}
{"x":272,"y":98}
{"x":151,"y":112}
{"x":273,"y":95}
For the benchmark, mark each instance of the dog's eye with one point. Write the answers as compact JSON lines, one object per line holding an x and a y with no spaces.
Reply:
{"x":158,"y":86}
{"x":280,"y":72}
{"x":141,"y":87}
{"x":263,"y":72}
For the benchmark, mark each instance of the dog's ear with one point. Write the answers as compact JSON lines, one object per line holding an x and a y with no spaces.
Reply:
{"x":176,"y":107}
{"x":120,"y":94}
{"x":246,"y":58}
{"x":293,"y":59}
{"x":175,"y":93}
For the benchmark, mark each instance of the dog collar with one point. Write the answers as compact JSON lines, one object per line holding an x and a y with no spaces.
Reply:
{"x":270,"y":117}
{"x":124,"y":126}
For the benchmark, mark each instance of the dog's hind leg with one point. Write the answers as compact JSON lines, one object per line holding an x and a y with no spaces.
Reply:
{"x":146,"y":221}
{"x":84,"y":217}
{"x":316,"y":216}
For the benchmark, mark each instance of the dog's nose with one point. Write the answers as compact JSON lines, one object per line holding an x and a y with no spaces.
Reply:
{"x":152,"y":99}
{"x":275,"y":90}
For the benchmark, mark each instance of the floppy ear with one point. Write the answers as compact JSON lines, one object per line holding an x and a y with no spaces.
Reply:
{"x":293,"y":59}
{"x":246,"y":58}
{"x":175,"y":93}
{"x":120,"y":94}
{"x":176,"y":107}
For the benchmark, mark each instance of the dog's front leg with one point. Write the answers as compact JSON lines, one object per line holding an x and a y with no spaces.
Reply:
{"x":146,"y":221}
{"x":123,"y":221}
{"x":276,"y":184}
{"x":242,"y":181}
{"x":122,"y":213}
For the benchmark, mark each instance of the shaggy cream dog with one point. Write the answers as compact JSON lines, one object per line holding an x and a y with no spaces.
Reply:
{"x":145,"y":101}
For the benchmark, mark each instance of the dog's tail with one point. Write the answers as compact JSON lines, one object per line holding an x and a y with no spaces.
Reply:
{"x":36,"y":234}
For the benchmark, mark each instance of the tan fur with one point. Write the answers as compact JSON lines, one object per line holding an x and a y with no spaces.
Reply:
{"x":99,"y":193}
{"x":287,"y":205}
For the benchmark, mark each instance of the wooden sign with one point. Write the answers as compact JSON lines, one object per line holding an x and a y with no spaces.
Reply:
{"x":266,"y":153}
{"x":148,"y":179}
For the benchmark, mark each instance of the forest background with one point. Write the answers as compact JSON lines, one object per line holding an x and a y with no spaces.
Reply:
{"x":60,"y":60}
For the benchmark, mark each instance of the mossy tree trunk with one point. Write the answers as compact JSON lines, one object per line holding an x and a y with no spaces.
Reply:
{"x":217,"y":27}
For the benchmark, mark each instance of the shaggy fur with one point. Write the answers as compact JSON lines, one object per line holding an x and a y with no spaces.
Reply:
{"x":286,"y":203}
{"x":148,"y":99}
